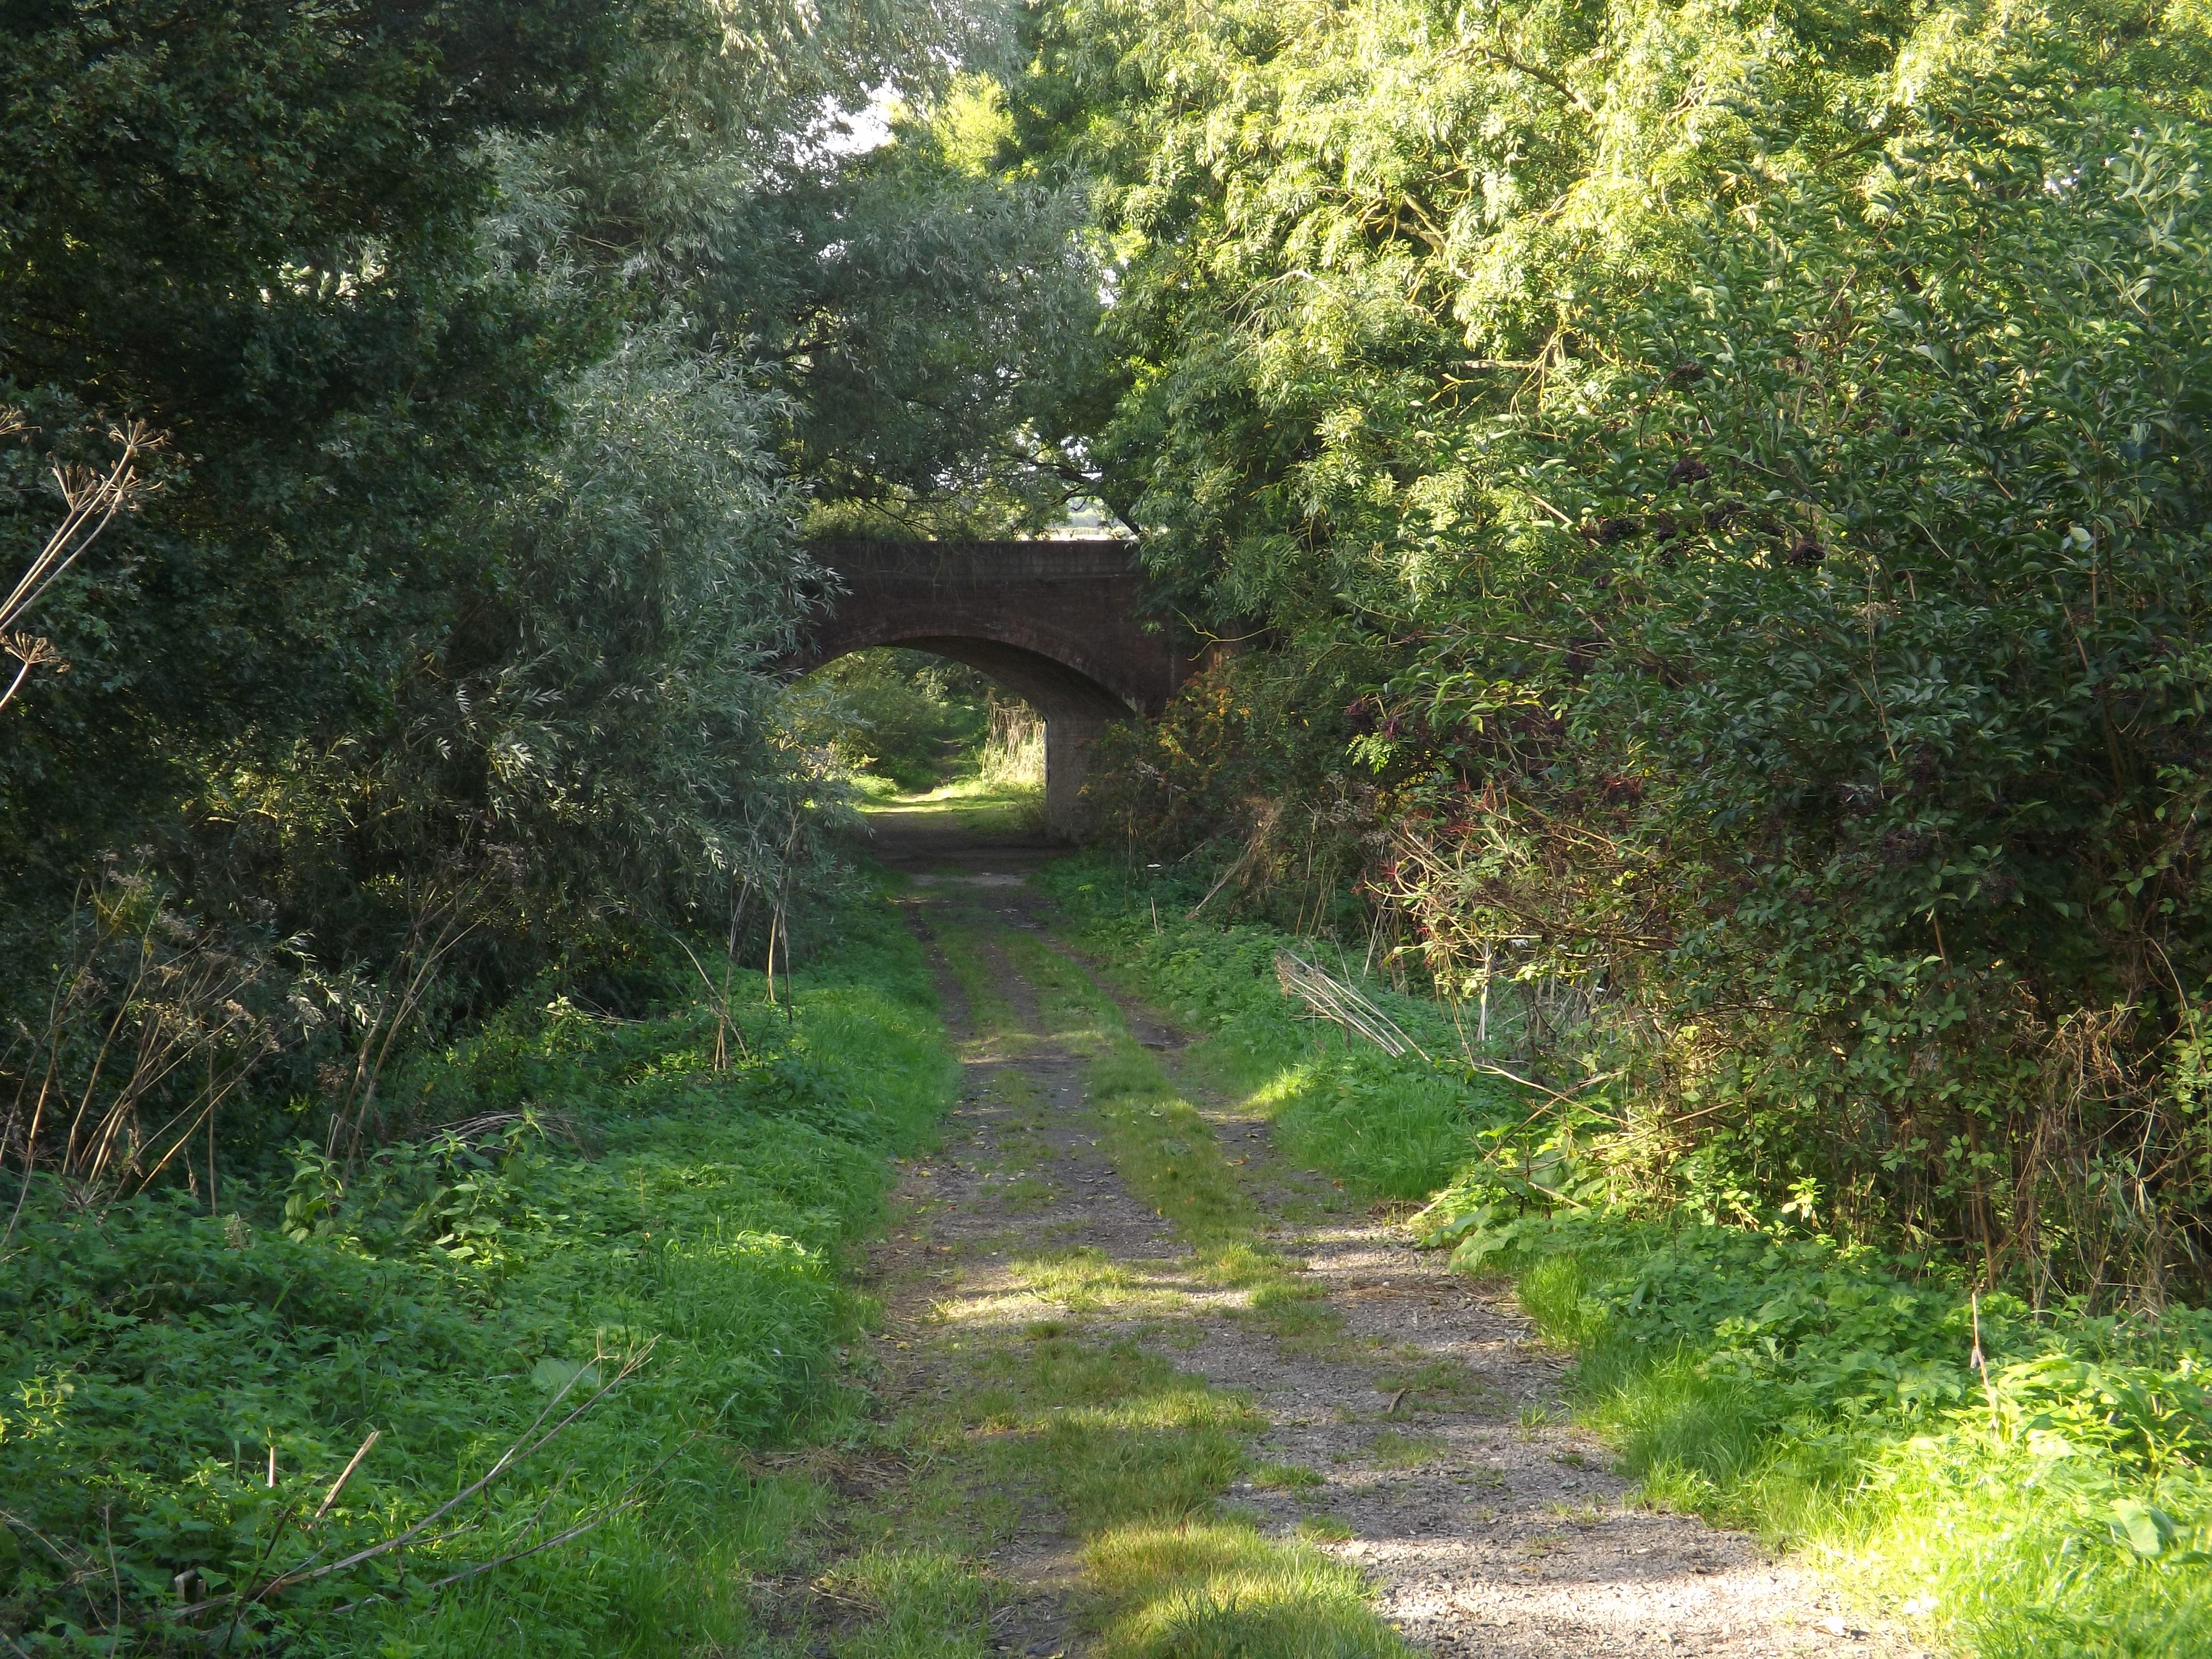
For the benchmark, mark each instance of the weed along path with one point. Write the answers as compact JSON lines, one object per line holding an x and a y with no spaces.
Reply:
{"x":1148,"y":1390}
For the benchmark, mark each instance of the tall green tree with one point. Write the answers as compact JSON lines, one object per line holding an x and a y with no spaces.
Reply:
{"x":255,"y":230}
{"x":374,"y":273}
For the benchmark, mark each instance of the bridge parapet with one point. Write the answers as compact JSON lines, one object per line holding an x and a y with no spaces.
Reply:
{"x":968,"y":564}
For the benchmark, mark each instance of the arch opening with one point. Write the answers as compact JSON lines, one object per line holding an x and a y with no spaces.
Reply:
{"x":1075,"y":707}
{"x":1072,"y":707}
{"x":1063,"y":624}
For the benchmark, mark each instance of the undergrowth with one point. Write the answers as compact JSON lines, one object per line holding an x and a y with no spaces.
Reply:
{"x":618,"y":1241}
{"x":2022,"y":1481}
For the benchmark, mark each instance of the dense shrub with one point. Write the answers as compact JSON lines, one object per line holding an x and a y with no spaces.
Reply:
{"x":1756,"y":464}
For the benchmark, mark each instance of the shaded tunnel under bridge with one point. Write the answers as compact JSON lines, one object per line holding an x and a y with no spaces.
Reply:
{"x":1059,"y":624}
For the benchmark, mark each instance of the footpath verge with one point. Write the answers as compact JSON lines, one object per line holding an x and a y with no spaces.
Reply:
{"x":1150,"y":1389}
{"x":2002,"y":1479}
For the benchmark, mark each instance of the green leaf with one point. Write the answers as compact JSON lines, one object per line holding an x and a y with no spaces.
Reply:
{"x":553,"y":1375}
{"x":2143,"y":1528}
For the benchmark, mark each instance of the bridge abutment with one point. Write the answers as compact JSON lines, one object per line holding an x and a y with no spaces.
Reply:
{"x":1067,"y":767}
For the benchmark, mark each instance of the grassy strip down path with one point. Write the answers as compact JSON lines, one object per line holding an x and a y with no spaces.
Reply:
{"x":1181,"y":1578}
{"x":1135,"y":1453}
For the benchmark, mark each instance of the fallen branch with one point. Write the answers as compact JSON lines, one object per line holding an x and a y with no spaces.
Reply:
{"x":1564,"y":1099}
{"x":344,"y":1475}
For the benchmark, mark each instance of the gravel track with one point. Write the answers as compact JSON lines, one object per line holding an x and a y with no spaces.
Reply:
{"x":1487,"y":1525}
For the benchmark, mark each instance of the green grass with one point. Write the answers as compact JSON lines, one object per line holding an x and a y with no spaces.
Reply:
{"x":1442,"y":1385}
{"x":1218,"y":1589}
{"x":1389,"y":1129}
{"x":916,"y":1603}
{"x":1392,"y":1450}
{"x":971,"y":803}
{"x":639,"y":1206}
{"x":1168,"y":1155}
{"x":1287,"y":1477}
{"x":1825,"y":1398}
{"x":1082,"y":1278}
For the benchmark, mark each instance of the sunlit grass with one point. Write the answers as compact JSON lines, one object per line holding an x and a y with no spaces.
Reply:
{"x":2001,"y":1549}
{"x":2002,"y":1544}
{"x":1219,"y":1589}
{"x":1082,"y":1278}
{"x":1387,"y":1128}
{"x":1137,"y":1455}
{"x":972,"y":804}
{"x":1287,"y":1477}
{"x":1555,"y":1292}
{"x":2011,"y":1553}
{"x":1113,"y":1433}
{"x":1166,"y":1152}
{"x":1168,"y":1157}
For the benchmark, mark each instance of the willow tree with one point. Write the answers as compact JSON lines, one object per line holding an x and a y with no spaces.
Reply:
{"x":1760,"y":456}
{"x":499,"y":354}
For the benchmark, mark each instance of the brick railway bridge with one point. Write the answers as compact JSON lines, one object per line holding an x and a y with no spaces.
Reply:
{"x":1059,"y":624}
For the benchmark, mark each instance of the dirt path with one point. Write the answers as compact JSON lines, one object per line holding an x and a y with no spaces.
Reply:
{"x":1396,"y":1416}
